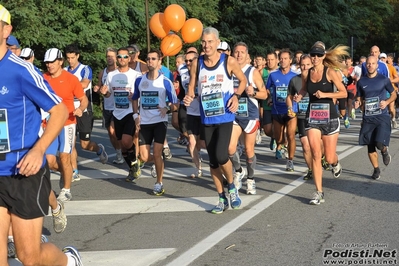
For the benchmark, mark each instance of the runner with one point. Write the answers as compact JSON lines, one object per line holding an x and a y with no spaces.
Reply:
{"x":218,"y":104}
{"x":135,"y":63}
{"x":153,"y":89}
{"x":376,"y":127}
{"x":13,"y":45}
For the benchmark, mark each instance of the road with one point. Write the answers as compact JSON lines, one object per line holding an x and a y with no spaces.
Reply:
{"x":113,"y":222}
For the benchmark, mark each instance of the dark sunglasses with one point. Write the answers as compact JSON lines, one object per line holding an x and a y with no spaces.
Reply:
{"x":122,"y":56}
{"x":190,"y":60}
{"x":318,"y":55}
{"x":152,"y":58}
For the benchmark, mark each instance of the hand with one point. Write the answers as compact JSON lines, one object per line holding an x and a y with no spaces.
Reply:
{"x":357,"y":104}
{"x":78,"y":112}
{"x":383,"y":104}
{"x":104,"y":89}
{"x":188,"y":99}
{"x":96,"y":88}
{"x":163,"y":111}
{"x":232,"y":104}
{"x":297,"y":97}
{"x":250,"y":90}
{"x":291,"y":113}
{"x":319,"y":94}
{"x":31,"y":162}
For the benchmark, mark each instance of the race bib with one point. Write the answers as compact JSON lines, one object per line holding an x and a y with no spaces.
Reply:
{"x":212,"y":103}
{"x":372,"y":106}
{"x":281,"y":94}
{"x":242,"y":110}
{"x":149,"y":100}
{"x":303,"y":105}
{"x":4,"y":136}
{"x":319,"y":113}
{"x":121,"y":99}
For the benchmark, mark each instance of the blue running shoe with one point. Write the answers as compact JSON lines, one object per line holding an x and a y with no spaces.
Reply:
{"x":279,"y":154}
{"x":222,"y":205}
{"x":272,"y":144}
{"x":347,"y":123}
{"x":235,"y":201}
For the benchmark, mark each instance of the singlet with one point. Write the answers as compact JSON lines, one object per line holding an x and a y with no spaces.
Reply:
{"x":194,"y":107}
{"x":23,"y":93}
{"x":153,"y":93}
{"x":121,"y":85}
{"x":83,"y":72}
{"x":215,"y":88}
{"x":247,"y":106}
{"x":324,"y":86}
{"x":108,"y":102}
{"x":277,"y":83}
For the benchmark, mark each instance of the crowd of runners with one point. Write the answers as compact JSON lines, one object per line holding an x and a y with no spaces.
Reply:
{"x":218,"y":99}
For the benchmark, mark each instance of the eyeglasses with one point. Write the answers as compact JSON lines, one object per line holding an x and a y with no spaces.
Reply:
{"x":316,"y":55}
{"x":123,"y":56}
{"x":152,"y":58}
{"x":190,"y":60}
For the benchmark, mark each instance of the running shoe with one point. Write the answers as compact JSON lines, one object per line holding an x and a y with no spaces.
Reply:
{"x":166,"y":153}
{"x":284,"y":149}
{"x":119,"y":158}
{"x":324,"y":163}
{"x":221,"y":206}
{"x":237,"y":178}
{"x":251,"y":187}
{"x":376,"y":174}
{"x":347,"y":123}
{"x":353,"y":113}
{"x":336,"y":170}
{"x":290,"y":166}
{"x":103,"y":154}
{"x":258,"y":137}
{"x":43,"y":239}
{"x":75,"y":176}
{"x":279,"y":154}
{"x":158,"y":189}
{"x":64,"y":196}
{"x":153,"y":171}
{"x":11,"y":252}
{"x":240,"y":149}
{"x":309,"y":175}
{"x":394,"y":124}
{"x":272,"y":144}
{"x":197,"y":173}
{"x":141,"y":163}
{"x":59,"y":219}
{"x":318,"y":197}
{"x":235,"y":201}
{"x":74,"y":254}
{"x":386,"y":157}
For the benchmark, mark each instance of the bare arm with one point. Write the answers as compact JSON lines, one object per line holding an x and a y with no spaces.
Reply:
{"x":99,"y":81}
{"x":84,"y":102}
{"x":261,"y":94}
{"x":335,"y":77}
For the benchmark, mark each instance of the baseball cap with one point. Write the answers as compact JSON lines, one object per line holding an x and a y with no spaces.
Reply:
{"x":11,"y":40}
{"x":27,"y":53}
{"x":383,"y":55}
{"x":224,"y":46}
{"x":5,"y":15}
{"x":52,"y":54}
{"x":318,"y":48}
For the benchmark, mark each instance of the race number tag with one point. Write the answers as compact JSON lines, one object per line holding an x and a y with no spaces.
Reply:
{"x":149,"y":100}
{"x":121,"y":99}
{"x":213,"y":103}
{"x":319,"y":113}
{"x":303,"y":105}
{"x":372,"y":106}
{"x":242,"y":110}
{"x":4,"y":136}
{"x":281,"y":94}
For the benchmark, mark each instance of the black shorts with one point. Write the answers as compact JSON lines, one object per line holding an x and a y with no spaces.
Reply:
{"x":217,"y":139}
{"x":108,"y":117}
{"x":156,"y":132}
{"x":267,"y":117}
{"x":375,"y":129}
{"x":26,"y":197}
{"x":84,"y":125}
{"x":124,"y":126}
{"x":193,"y":125}
{"x":282,"y":119}
{"x":301,"y":122}
{"x":351,"y":94}
{"x":182,"y":114}
{"x":332,"y":127}
{"x":342,"y":104}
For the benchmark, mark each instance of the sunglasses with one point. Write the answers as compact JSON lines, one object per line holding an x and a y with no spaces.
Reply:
{"x":132,"y":52}
{"x":190,"y":60}
{"x":122,"y":56}
{"x":152,"y":58}
{"x":318,"y":55}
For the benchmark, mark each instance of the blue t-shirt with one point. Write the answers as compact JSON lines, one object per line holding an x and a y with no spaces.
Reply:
{"x":374,"y":90}
{"x":277,"y":83}
{"x":166,"y":72}
{"x":23,"y":91}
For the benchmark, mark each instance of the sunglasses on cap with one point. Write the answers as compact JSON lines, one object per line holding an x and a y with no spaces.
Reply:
{"x":119,"y":56}
{"x":318,"y":55}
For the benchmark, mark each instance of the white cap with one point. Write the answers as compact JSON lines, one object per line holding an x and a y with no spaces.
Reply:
{"x":224,"y":46}
{"x":52,"y":54}
{"x":383,"y":55}
{"x":27,"y":53}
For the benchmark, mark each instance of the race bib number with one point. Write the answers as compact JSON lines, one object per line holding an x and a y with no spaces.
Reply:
{"x":149,"y":100}
{"x":303,"y":105}
{"x":4,"y":136}
{"x":213,"y":103}
{"x":372,"y":106}
{"x":281,"y":94}
{"x":242,"y":110}
{"x":319,"y":113}
{"x":121,"y":99}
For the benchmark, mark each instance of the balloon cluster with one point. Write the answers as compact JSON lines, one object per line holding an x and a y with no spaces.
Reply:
{"x":166,"y":26}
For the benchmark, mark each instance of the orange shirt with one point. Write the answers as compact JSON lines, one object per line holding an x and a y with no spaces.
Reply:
{"x":392,"y":73}
{"x":66,"y":86}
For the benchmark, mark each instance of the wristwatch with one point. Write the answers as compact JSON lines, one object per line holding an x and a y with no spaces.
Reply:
{"x":238,"y":95}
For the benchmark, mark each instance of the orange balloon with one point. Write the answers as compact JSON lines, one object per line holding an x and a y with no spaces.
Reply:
{"x":192,"y":30}
{"x":175,"y":16}
{"x":158,"y":26}
{"x":171,"y":45}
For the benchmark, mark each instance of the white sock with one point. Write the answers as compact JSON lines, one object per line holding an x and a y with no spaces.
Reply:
{"x":56,"y":210}
{"x":66,"y":189}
